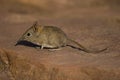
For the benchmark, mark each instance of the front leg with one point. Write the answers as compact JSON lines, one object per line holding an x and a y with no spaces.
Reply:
{"x":41,"y":47}
{"x":38,"y":47}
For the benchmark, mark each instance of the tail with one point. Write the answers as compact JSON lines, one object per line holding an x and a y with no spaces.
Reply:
{"x":85,"y":49}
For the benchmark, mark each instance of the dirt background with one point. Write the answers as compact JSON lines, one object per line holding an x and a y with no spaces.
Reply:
{"x":93,"y":23}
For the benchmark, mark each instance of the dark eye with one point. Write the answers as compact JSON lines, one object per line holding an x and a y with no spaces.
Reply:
{"x":28,"y":34}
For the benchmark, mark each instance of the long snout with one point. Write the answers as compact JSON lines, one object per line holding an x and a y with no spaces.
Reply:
{"x":17,"y":43}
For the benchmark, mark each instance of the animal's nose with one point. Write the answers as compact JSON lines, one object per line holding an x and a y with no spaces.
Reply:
{"x":17,"y":43}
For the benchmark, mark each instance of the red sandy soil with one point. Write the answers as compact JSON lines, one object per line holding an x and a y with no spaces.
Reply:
{"x":94,"y":24}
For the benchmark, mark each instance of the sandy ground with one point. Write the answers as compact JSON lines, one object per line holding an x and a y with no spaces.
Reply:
{"x":93,"y":27}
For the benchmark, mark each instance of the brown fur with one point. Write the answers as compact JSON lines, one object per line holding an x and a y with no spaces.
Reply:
{"x":50,"y":37}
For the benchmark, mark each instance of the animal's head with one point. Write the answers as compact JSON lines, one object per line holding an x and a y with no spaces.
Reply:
{"x":31,"y":35}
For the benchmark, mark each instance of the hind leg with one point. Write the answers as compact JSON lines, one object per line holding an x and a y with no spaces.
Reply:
{"x":54,"y":49}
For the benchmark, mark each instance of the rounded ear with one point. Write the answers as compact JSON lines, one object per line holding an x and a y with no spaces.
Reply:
{"x":35,"y":26}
